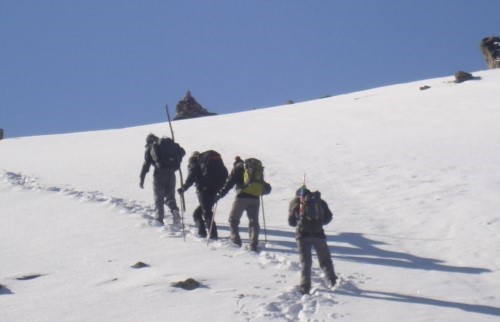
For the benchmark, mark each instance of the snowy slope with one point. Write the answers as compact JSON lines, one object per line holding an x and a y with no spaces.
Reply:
{"x":412,"y":177}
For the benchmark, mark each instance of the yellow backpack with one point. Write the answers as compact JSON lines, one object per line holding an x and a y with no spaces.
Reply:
{"x":253,"y":177}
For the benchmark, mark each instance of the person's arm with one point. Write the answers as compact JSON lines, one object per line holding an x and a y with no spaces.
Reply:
{"x":293,"y":212}
{"x":145,"y":167}
{"x":328,"y":213}
{"x":231,"y":181}
{"x":193,"y":172}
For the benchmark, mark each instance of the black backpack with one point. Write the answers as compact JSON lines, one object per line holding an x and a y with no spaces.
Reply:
{"x":312,"y":209}
{"x":165,"y":154}
{"x":313,"y":217}
{"x":212,"y":169}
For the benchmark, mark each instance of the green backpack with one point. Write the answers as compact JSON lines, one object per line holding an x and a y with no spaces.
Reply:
{"x":253,"y":177}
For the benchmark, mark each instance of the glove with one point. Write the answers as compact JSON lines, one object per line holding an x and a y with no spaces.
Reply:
{"x":180,"y":191}
{"x":267,"y":188}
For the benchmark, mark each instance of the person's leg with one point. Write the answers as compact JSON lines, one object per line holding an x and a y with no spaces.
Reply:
{"x":198,"y":220}
{"x":169,"y":181}
{"x":159,"y":197}
{"x":207,"y":201}
{"x":252,"y":209}
{"x":305,"y":256}
{"x":234,"y":220}
{"x":325,"y":260}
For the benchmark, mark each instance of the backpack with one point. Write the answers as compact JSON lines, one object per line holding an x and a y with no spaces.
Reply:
{"x":165,"y":154}
{"x":312,"y":208}
{"x":212,"y":169}
{"x":253,"y":177}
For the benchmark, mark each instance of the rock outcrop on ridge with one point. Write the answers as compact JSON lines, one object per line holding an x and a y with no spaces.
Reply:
{"x":189,"y":108}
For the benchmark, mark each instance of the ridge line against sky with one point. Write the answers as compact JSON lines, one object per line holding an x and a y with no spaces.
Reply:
{"x":70,"y":66}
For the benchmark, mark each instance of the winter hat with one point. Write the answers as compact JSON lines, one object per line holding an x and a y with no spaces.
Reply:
{"x":194,"y":156}
{"x":298,"y":193}
{"x":150,"y":139}
{"x":237,"y":160}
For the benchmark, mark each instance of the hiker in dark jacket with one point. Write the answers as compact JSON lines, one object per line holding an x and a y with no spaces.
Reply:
{"x":243,"y":202}
{"x":163,"y":182}
{"x":206,"y":190}
{"x":310,"y":233}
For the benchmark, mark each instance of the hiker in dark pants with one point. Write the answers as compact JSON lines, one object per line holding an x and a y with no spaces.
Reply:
{"x":163,"y":179}
{"x":207,"y":171}
{"x":308,"y":212}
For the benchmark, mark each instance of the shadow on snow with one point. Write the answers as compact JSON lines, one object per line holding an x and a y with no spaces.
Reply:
{"x":351,"y":290}
{"x":361,"y":249}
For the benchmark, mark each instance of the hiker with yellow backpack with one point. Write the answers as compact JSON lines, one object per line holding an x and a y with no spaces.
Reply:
{"x":248,"y":177}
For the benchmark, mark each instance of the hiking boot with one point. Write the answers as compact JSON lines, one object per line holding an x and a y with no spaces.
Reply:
{"x":235,"y":239}
{"x":213,"y":230}
{"x":253,"y":248}
{"x":176,"y":216}
{"x":304,"y":289}
{"x":202,"y":233}
{"x":156,"y":222}
{"x":236,"y":242}
{"x":332,"y":282}
{"x":214,"y":235}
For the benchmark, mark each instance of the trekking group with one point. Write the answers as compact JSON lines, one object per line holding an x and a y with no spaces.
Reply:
{"x":206,"y":170}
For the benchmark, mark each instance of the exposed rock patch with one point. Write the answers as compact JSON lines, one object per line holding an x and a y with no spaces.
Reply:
{"x":189,"y":284}
{"x":139,"y":265}
{"x":461,"y":76}
{"x":28,"y":277}
{"x":189,"y":108}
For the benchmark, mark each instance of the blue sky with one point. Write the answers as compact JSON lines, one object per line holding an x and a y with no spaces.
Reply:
{"x":70,"y":66}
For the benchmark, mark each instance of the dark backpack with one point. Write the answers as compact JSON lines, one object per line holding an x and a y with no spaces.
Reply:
{"x":165,"y":154}
{"x":312,"y":208}
{"x":212,"y":169}
{"x":253,"y":177}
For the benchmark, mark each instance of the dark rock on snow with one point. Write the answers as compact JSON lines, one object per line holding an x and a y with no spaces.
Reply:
{"x":28,"y":277}
{"x":463,"y":76}
{"x":189,"y":108}
{"x":139,"y":265}
{"x":189,"y":284}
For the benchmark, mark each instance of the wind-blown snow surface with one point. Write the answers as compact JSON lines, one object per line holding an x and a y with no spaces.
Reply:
{"x":412,"y":176}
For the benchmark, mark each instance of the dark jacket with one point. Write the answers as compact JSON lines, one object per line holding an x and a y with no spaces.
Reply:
{"x":194,"y":175}
{"x":148,"y":160}
{"x":207,"y":171}
{"x":306,"y":227}
{"x":236,"y":179}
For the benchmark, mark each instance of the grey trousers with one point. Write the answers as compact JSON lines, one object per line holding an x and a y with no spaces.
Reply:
{"x":251,"y":206}
{"x":305,"y":246}
{"x":164,"y":191}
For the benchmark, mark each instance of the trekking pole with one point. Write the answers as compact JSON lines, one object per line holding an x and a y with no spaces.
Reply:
{"x":264,"y":218}
{"x":183,"y":203}
{"x":182,"y":224}
{"x":301,"y":197}
{"x":211,"y":223}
